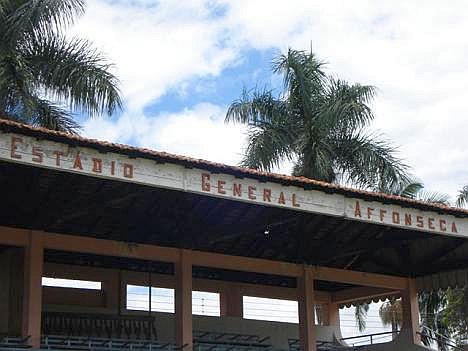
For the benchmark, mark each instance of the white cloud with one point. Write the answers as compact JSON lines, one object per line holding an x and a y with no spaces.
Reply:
{"x":414,"y":52}
{"x":156,"y":47}
{"x":199,"y":132}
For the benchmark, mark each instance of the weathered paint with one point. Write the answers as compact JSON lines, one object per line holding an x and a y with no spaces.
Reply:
{"x":87,"y":161}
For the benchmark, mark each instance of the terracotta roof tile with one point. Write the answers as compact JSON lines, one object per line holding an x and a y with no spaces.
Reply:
{"x":8,"y":125}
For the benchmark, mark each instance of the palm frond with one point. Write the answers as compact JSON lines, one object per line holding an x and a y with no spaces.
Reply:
{"x":413,"y":188}
{"x":432,"y":306}
{"x":462,"y":199}
{"x":32,"y":16}
{"x":347,"y":106}
{"x":391,"y":314}
{"x":303,"y":79}
{"x":409,"y":189}
{"x":73,"y":71}
{"x":369,"y":161}
{"x":360,"y":314}
{"x":269,"y":144}
{"x":434,"y":197}
{"x":50,"y":116}
{"x":256,"y":107}
{"x":316,"y":158}
{"x":15,"y":79}
{"x":42,"y":113}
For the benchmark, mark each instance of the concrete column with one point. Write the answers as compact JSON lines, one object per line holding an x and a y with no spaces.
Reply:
{"x":410,"y":327}
{"x":183,"y":300}
{"x":112,"y":291}
{"x":305,"y":287}
{"x":32,"y":296}
{"x":333,"y":314}
{"x":231,"y":303}
{"x":330,"y":314}
{"x":5,"y":273}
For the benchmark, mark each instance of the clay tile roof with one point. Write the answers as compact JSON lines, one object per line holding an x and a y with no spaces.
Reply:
{"x":214,"y":167}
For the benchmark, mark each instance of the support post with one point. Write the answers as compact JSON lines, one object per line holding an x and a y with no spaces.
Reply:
{"x":32,"y":296}
{"x":183,"y":300}
{"x":410,"y":327}
{"x":306,"y":310}
{"x":231,"y":303}
{"x":330,"y":314}
{"x":333,"y":310}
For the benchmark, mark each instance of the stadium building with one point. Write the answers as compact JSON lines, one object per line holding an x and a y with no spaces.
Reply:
{"x":121,"y":222}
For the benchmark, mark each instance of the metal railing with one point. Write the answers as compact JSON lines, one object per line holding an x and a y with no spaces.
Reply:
{"x":14,"y":342}
{"x":60,"y":342}
{"x":372,"y":337}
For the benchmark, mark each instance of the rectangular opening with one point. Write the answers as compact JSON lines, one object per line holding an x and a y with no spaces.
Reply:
{"x":71,"y":283}
{"x":266,"y":309}
{"x":138,"y":299}
{"x":205,"y":303}
{"x":163,"y":300}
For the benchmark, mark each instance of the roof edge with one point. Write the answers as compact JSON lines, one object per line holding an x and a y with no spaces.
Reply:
{"x":214,"y":167}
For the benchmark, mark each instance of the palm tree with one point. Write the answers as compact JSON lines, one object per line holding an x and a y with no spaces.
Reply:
{"x":319,"y":123}
{"x":412,"y":188}
{"x":462,"y":199}
{"x":360,"y":315}
{"x":42,"y":71}
{"x":391,"y":314}
{"x":432,"y":307}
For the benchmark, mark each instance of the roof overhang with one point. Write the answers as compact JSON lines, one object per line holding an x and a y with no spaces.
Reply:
{"x":364,"y":231}
{"x":71,"y":158}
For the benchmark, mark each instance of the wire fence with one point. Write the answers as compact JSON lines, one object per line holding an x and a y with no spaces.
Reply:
{"x":163,"y":300}
{"x":208,"y":304}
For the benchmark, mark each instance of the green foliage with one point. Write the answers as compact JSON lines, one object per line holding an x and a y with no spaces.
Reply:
{"x":456,"y":314}
{"x":444,"y":317}
{"x":46,"y":77}
{"x":319,"y":123}
{"x":414,"y":189}
{"x":391,"y":314}
{"x":432,"y":307}
{"x":462,"y":199}
{"x":360,"y":315}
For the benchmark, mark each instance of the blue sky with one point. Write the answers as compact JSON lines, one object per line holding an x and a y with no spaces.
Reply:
{"x":253,"y":69}
{"x":182,"y":62}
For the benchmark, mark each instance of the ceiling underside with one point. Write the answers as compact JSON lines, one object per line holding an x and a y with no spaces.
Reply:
{"x":67,"y":203}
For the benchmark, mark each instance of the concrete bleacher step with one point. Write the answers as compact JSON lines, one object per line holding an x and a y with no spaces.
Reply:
{"x":84,"y":343}
{"x":13,"y":342}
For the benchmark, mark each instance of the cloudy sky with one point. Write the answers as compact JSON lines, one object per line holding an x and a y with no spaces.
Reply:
{"x":182,"y":62}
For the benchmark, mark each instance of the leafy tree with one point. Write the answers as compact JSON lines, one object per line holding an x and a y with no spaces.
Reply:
{"x":456,"y":315}
{"x":318,"y":122}
{"x":42,"y":71}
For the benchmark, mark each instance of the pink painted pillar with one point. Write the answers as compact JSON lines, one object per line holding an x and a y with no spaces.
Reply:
{"x":306,"y":301}
{"x":183,"y":301}
{"x":32,"y":295}
{"x":410,"y":327}
{"x":231,"y":303}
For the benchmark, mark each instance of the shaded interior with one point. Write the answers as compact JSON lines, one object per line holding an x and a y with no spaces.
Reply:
{"x":60,"y":202}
